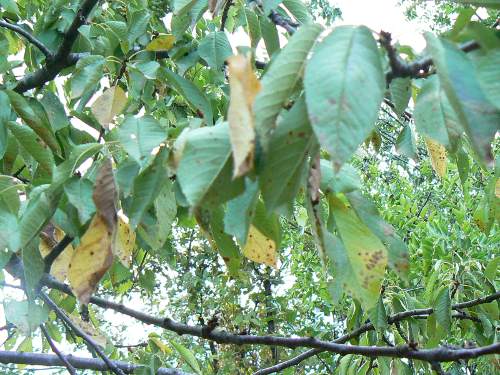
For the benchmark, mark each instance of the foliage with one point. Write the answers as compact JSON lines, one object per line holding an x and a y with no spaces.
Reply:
{"x":336,"y":197}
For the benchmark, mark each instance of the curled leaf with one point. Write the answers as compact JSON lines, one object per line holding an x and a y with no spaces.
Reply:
{"x":244,"y":87}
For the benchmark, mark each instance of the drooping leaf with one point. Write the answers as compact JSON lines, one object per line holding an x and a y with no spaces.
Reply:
{"x":25,"y":315}
{"x":224,"y":243}
{"x":253,"y":27}
{"x":342,"y":101}
{"x":437,"y":153}
{"x":124,"y":242}
{"x":284,"y":170}
{"x":79,"y":193}
{"x":91,"y":259}
{"x":479,"y":118}
{"x":281,"y":79}
{"x":108,"y":105}
{"x":360,"y":258}
{"x":54,"y":109}
{"x":244,"y":87}
{"x":88,"y":72}
{"x":299,"y":10}
{"x":488,"y":71}
{"x":442,"y":308}
{"x":400,"y":93}
{"x":215,"y":49}
{"x":140,"y":135}
{"x":260,"y":248}
{"x":270,"y":35}
{"x":344,"y":181}
{"x":378,"y":316}
{"x":33,"y":267}
{"x":105,"y":195}
{"x":89,"y":329}
{"x":9,"y":230}
{"x":187,"y":356}
{"x":406,"y":144}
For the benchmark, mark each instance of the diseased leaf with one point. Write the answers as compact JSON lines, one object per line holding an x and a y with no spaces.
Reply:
{"x":91,"y":259}
{"x":50,"y":237}
{"x":344,"y":86}
{"x":437,"y":154}
{"x":108,"y":105}
{"x":259,"y":248}
{"x":244,"y":87}
{"x":105,"y":195}
{"x":161,"y":43}
{"x":124,"y":242}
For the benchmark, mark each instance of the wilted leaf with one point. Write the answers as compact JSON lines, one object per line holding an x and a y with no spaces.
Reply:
{"x":124,"y":242}
{"x":244,"y":87}
{"x":50,"y":237}
{"x":105,"y":195}
{"x":161,"y":43}
{"x":260,"y":248}
{"x":91,"y":259}
{"x":437,"y":153}
{"x":108,"y":105}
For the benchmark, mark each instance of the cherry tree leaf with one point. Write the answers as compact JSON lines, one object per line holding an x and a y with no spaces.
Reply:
{"x":108,"y":105}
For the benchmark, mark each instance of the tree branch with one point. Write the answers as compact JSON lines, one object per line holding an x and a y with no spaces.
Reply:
{"x":40,"y":359}
{"x":61,"y":315}
{"x":56,"y":351}
{"x":28,"y":36}
{"x":285,"y":23}
{"x":56,"y":251}
{"x":225,"y":13}
{"x":63,"y":57}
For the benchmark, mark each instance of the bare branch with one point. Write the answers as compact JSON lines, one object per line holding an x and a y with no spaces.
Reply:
{"x":285,"y":23}
{"x":40,"y":359}
{"x":225,"y":13}
{"x":56,"y":351}
{"x":28,"y":36}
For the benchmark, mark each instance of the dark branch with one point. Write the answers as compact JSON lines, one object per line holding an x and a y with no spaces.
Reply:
{"x":56,"y":351}
{"x":28,"y":36}
{"x":56,"y":251}
{"x":40,"y":359}
{"x":285,"y":23}
{"x":63,"y":58}
{"x":61,"y":315}
{"x":225,"y":13}
{"x":416,"y":69}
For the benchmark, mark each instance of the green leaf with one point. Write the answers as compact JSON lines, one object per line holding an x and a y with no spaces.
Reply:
{"x":33,"y":267}
{"x":344,"y":181}
{"x":147,"y":186}
{"x":344,"y":85}
{"x":77,"y":156}
{"x":30,"y":117}
{"x":378,"y":316}
{"x":5,"y":115}
{"x":192,"y":94}
{"x":495,"y":4}
{"x":204,"y":168}
{"x":488,"y":71}
{"x":79,"y":192}
{"x":360,"y":257}
{"x":88,"y":72}
{"x":253,"y":27}
{"x":25,"y":315}
{"x":281,"y":79}
{"x":284,"y":166}
{"x":442,"y":308}
{"x":299,"y":10}
{"x":140,"y":135}
{"x":55,"y":111}
{"x":215,"y":49}
{"x":137,"y":25}
{"x":29,"y":140}
{"x":9,"y":230}
{"x":240,"y":212}
{"x":400,"y":93}
{"x":269,"y":5}
{"x":188,"y":356}
{"x":406,"y":144}
{"x":225,"y":244}
{"x":492,"y":270}
{"x":434,"y":116}
{"x":479,"y":118}
{"x":182,"y":6}
{"x":270,"y":35}
{"x":9,"y":193}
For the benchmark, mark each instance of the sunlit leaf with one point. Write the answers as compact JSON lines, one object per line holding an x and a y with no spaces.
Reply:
{"x":259,"y":248}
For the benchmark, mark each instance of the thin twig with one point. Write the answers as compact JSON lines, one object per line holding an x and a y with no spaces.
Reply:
{"x":28,"y":36}
{"x":56,"y":351}
{"x":61,"y":315}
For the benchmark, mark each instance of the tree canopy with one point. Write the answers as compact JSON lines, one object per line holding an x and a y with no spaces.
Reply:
{"x":323,"y":200}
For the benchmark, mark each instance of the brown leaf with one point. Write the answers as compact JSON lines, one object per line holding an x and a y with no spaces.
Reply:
{"x":244,"y":87}
{"x":105,"y":195}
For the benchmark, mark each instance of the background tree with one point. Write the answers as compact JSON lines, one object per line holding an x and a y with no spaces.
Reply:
{"x":172,"y":204}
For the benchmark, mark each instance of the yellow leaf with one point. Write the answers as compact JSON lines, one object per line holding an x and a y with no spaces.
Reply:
{"x":91,"y":259}
{"x":244,"y":86}
{"x":49,"y":239}
{"x":124,"y":242}
{"x":105,"y":195}
{"x":260,"y":248}
{"x":164,"y":348}
{"x":437,"y":153}
{"x":497,"y":188}
{"x":108,"y":105}
{"x":161,"y":43}
{"x":90,"y":330}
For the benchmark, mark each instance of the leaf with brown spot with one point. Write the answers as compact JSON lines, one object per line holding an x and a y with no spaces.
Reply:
{"x":244,"y":87}
{"x":259,"y":248}
{"x":91,"y":259}
{"x":108,"y":105}
{"x":437,"y":153}
{"x":105,"y":195}
{"x":161,"y":43}
{"x":49,"y":239}
{"x":90,"y":330}
{"x":124,"y":242}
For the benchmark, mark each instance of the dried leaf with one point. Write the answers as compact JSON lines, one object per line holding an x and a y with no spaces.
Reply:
{"x":244,"y":87}
{"x":260,"y":248}
{"x":105,"y":195}
{"x":124,"y":242}
{"x":161,"y":43}
{"x":437,"y":153}
{"x":90,"y":330}
{"x":91,"y":259}
{"x":108,"y":105}
{"x":50,"y":237}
